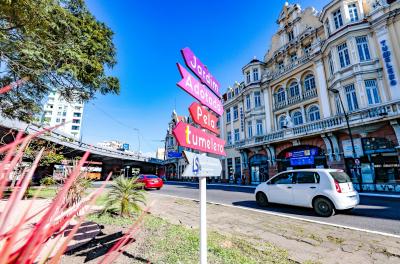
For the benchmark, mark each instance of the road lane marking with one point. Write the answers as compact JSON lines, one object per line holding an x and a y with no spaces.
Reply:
{"x":288,"y":216}
{"x":254,"y":187}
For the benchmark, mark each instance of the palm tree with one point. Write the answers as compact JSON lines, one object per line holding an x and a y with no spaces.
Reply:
{"x":125,"y":196}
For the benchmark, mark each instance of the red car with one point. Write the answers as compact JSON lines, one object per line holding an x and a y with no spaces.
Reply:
{"x":151,"y":181}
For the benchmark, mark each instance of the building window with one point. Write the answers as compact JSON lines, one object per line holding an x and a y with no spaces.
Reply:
{"x":338,"y":104}
{"x":259,"y":127}
{"x":250,"y":129}
{"x":228,"y":116}
{"x":229,"y":137}
{"x":337,"y":17}
{"x":236,"y":90}
{"x":353,"y":12}
{"x":309,"y":82}
{"x":76,"y":121}
{"x":237,"y":135}
{"x":257,"y":99}
{"x":372,"y":92}
{"x":294,"y":89}
{"x":327,"y":28}
{"x":313,"y":113}
{"x":248,"y":77}
{"x":343,"y":55}
{"x":351,"y":97}
{"x":280,"y":95}
{"x":58,"y":120}
{"x":363,"y":49}
{"x":293,"y":57}
{"x":248,"y":101}
{"x":290,"y":35}
{"x":75,"y":127}
{"x":235,"y":113}
{"x":282,"y":122}
{"x":281,"y":65}
{"x":255,"y":74}
{"x":331,"y":65}
{"x":307,"y":49}
{"x":297,"y":118}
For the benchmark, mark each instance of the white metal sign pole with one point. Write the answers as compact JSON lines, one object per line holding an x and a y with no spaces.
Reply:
{"x":203,"y":219}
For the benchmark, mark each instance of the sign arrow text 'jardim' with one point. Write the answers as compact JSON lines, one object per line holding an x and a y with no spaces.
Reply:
{"x":196,"y":89}
{"x":200,"y":70}
{"x":194,"y":138}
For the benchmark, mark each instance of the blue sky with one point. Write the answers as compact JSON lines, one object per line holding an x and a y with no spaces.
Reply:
{"x":224,"y":34}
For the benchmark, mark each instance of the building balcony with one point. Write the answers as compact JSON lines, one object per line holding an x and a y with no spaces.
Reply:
{"x":364,"y":116}
{"x":312,"y":93}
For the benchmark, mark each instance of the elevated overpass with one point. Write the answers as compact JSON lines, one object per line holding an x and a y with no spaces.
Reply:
{"x":112,"y":160}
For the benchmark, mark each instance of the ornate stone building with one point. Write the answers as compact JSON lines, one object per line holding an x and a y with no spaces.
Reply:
{"x":322,"y":68}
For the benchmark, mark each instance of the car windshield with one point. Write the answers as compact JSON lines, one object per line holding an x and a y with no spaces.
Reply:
{"x":151,"y":177}
{"x":340,"y":176}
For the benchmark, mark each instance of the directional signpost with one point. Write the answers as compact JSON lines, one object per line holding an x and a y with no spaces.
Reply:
{"x":206,"y":91}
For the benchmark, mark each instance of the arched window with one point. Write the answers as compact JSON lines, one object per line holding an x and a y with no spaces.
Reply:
{"x":281,"y":121}
{"x":309,"y":82}
{"x":280,"y":95}
{"x":297,"y":118}
{"x":294,"y":89}
{"x":313,"y":113}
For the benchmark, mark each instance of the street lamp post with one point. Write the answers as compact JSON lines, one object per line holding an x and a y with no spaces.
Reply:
{"x":346,"y":117}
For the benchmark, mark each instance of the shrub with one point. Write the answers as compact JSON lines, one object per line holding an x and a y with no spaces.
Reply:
{"x":125,"y":197}
{"x":47,"y":181}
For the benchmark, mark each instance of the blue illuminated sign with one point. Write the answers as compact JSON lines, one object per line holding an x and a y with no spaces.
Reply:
{"x":386,"y":54}
{"x":173,"y":154}
{"x":302,"y":161}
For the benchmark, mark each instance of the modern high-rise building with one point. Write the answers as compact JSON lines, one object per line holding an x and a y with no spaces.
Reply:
{"x":57,"y":111}
{"x":325,"y":95}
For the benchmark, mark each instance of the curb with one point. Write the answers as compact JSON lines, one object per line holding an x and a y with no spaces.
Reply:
{"x":288,"y":216}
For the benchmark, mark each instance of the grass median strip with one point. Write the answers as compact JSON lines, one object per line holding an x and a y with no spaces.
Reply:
{"x":163,"y":242}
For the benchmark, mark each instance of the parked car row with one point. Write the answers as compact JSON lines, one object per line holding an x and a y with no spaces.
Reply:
{"x":324,"y":190}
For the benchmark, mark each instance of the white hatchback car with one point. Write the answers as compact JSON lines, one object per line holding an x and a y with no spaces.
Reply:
{"x":325,"y":190}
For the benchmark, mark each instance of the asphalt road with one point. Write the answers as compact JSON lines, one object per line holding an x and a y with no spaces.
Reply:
{"x":374,"y":213}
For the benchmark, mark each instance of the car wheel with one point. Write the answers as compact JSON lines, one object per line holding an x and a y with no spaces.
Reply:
{"x":158,"y":188}
{"x":323,"y":207}
{"x":261,"y":199}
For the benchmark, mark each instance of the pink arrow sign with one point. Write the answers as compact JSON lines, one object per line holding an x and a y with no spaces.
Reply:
{"x":200,"y":70}
{"x":199,"y":91}
{"x":194,"y":138}
{"x":204,"y":118}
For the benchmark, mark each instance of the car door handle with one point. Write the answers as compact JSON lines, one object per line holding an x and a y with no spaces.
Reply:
{"x":289,"y":187}
{"x":313,"y":187}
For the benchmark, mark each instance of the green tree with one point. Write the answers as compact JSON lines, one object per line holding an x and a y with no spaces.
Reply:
{"x":53,"y":44}
{"x":125,"y":196}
